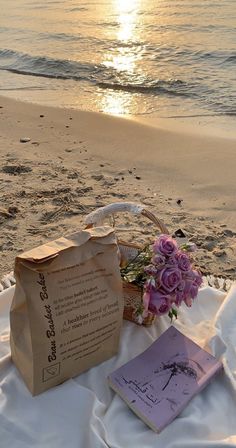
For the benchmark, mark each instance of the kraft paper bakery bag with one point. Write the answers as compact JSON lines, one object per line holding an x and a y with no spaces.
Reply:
{"x":67,"y":309}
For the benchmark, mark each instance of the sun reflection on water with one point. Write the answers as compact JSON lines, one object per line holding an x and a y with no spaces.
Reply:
{"x":127,"y":10}
{"x":122,"y":58}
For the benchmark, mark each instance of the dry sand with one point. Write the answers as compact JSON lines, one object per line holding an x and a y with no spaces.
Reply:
{"x":76,"y":161}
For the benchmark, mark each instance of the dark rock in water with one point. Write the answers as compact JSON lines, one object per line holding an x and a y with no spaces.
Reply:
{"x":25,"y":139}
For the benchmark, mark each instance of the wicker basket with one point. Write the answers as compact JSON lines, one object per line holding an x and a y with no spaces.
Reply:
{"x":132,"y":293}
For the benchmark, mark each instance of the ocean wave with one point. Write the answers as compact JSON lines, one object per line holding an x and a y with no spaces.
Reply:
{"x":23,"y":63}
{"x":104,"y":77}
{"x":100,"y":75}
{"x":167,"y":87}
{"x":231,"y":59}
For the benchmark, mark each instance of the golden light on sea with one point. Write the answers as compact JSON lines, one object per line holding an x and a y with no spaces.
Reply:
{"x":127,"y":10}
{"x":122,"y":58}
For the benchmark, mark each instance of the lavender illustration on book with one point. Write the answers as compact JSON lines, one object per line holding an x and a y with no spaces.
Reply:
{"x":160,"y":384}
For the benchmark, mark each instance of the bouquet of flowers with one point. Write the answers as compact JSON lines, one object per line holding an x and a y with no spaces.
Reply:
{"x":166,"y":275}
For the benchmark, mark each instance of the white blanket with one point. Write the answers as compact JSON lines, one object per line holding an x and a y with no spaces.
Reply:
{"x":84,"y":413}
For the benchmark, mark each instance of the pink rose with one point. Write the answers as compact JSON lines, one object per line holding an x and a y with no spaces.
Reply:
{"x":159,"y":303}
{"x":183,"y":261}
{"x":165,"y":245}
{"x":169,"y":278}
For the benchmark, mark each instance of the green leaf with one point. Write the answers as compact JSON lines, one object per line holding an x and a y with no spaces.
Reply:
{"x":174,"y":312}
{"x":133,"y":272}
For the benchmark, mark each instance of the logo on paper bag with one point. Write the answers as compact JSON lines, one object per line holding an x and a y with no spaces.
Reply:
{"x":51,"y":372}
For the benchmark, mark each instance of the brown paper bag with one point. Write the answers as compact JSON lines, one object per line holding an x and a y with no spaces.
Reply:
{"x":67,"y":309}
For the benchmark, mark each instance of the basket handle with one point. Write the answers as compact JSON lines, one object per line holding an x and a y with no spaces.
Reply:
{"x":97,"y":216}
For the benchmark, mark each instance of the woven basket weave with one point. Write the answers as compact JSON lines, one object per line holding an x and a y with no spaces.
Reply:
{"x":132,"y":293}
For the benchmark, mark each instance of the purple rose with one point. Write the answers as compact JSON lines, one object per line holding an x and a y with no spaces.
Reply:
{"x":193,"y":281}
{"x":165,"y":245}
{"x":179,"y":294}
{"x":196,"y":282}
{"x":193,"y":292}
{"x":197,"y":278}
{"x":158,"y":260}
{"x":169,"y":278}
{"x":179,"y":297}
{"x":159,"y":303}
{"x":172,"y":261}
{"x":183,"y":261}
{"x":190,"y":291}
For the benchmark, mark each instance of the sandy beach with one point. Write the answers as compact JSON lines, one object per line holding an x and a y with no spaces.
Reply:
{"x":57,"y":165}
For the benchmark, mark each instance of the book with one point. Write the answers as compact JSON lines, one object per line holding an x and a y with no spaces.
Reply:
{"x":159,"y":383}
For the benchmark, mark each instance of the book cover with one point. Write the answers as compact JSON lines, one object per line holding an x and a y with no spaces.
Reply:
{"x":158,"y":383}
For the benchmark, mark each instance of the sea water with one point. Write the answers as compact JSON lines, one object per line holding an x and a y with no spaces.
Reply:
{"x":163,"y":58}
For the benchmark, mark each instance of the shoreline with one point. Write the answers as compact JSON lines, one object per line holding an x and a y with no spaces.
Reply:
{"x":77,"y":160}
{"x":205,"y":123}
